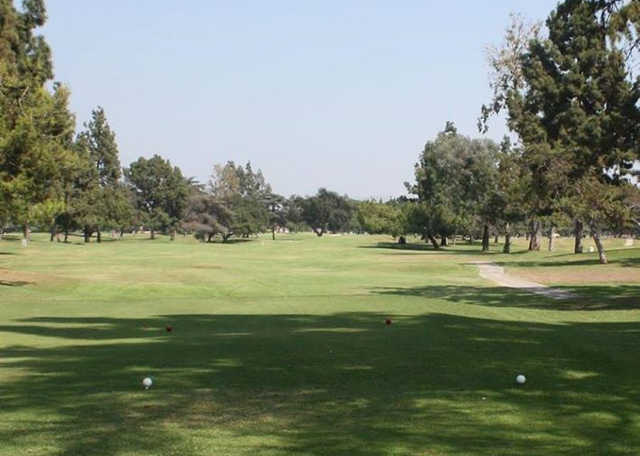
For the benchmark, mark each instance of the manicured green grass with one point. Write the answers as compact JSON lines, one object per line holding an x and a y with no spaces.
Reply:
{"x":280,"y":347}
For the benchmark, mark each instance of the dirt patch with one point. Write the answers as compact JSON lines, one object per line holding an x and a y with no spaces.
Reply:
{"x":14,"y":279}
{"x":20,"y":278}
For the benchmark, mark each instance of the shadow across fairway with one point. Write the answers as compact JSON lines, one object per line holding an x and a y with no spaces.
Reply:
{"x":588,"y":297}
{"x":227,"y":242}
{"x":321,"y":385}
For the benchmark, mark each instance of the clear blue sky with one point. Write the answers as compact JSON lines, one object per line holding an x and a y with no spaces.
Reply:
{"x":340,"y":94}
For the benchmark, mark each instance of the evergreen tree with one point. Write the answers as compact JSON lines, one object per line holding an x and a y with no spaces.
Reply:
{"x":100,"y":199}
{"x":36,"y":127}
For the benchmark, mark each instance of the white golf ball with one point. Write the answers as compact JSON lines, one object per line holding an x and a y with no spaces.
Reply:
{"x":591,"y":249}
{"x":521,"y":379}
{"x":147,"y":382}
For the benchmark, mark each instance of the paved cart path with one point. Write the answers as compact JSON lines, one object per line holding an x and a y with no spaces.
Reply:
{"x":495,"y":273}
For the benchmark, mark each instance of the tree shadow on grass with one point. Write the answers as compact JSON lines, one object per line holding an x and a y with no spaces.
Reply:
{"x":227,"y":242}
{"x":471,"y":250}
{"x":14,"y":283}
{"x":234,"y":241}
{"x":588,"y":297}
{"x":549,"y":261}
{"x":321,"y":385}
{"x":578,"y":261}
{"x":11,"y":237}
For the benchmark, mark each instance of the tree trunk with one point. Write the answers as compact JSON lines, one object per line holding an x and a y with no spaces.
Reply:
{"x":273,"y":233}
{"x":596,"y":238}
{"x":443,"y":241}
{"x":578,"y":248}
{"x":87,"y":234}
{"x":209,"y":236}
{"x":534,"y":235}
{"x":98,"y":235}
{"x":121,"y":233}
{"x":153,"y":233}
{"x":552,"y":233}
{"x":26,"y":233}
{"x":496,"y":239}
{"x":53,"y":233}
{"x":173,"y":235}
{"x":66,"y":236}
{"x":485,"y":238}
{"x":433,"y":240}
{"x":507,"y":239}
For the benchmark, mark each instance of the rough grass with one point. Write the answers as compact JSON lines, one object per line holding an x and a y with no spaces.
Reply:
{"x":279,"y":347}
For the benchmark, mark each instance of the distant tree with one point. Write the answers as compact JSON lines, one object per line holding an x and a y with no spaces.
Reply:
{"x":245,"y":194}
{"x":379,"y":218}
{"x":508,"y":203}
{"x":100,"y":199}
{"x":326,"y":211}
{"x":160,"y":193}
{"x":419,"y":220}
{"x":455,"y":178}
{"x":293,"y":214}
{"x":481,"y":183}
{"x":206,"y":217}
{"x":277,"y":206}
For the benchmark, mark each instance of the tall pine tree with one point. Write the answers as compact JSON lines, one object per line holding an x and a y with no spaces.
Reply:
{"x":578,"y":118}
{"x":100,"y":199}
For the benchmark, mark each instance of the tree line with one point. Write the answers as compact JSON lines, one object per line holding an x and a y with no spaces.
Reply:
{"x":572,"y":100}
{"x":567,"y":88}
{"x":572,"y":103}
{"x":67,"y":182}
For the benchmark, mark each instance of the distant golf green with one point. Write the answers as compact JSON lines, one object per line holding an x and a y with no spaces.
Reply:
{"x":281,"y":348}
